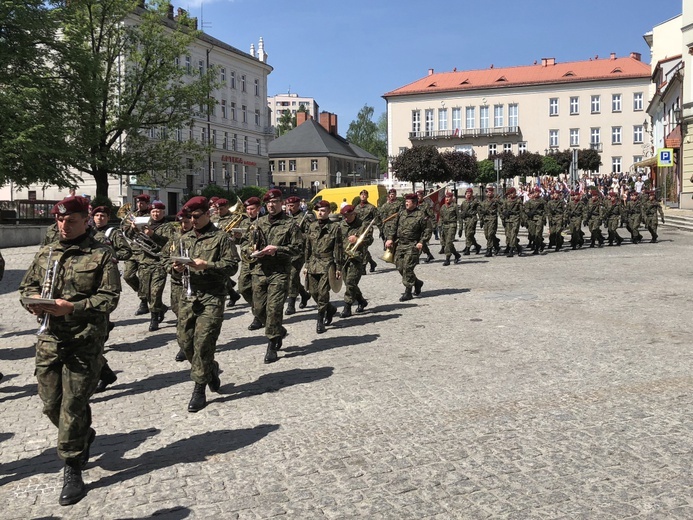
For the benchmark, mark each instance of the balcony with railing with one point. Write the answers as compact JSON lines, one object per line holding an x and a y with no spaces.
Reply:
{"x":465,"y":133}
{"x":596,"y":146}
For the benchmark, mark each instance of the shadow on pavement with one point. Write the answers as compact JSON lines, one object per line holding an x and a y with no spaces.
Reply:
{"x":10,"y":281}
{"x":357,"y":320}
{"x":172,"y":513}
{"x":328,"y":343}
{"x":155,"y":382}
{"x":13,"y":354}
{"x":197,"y":448}
{"x":440,"y":292}
{"x":150,"y":342}
{"x":5,"y":436}
{"x":239,"y":343}
{"x":274,"y":382}
{"x":132,"y":321}
{"x":14,"y":333}
{"x":17,"y":392}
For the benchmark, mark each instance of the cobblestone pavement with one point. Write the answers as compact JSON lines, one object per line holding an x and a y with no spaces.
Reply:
{"x":556,"y":386}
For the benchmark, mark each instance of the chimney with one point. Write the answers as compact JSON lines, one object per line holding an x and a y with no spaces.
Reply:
{"x":430,"y":72}
{"x":301,"y":117}
{"x":636,"y":56}
{"x":612,"y":56}
{"x":170,"y":12}
{"x":329,"y":122}
{"x":545,"y":62}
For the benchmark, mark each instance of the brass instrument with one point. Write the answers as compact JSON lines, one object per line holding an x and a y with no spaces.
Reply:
{"x":388,"y":256}
{"x":352,"y":249}
{"x":186,"y":273}
{"x":238,"y":211}
{"x":124,"y":210}
{"x":47,"y":288}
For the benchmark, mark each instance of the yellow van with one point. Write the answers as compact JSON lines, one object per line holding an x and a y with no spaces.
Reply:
{"x":339,"y":195}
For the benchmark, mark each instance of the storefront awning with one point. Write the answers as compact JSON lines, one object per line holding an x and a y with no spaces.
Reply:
{"x":646,"y":163}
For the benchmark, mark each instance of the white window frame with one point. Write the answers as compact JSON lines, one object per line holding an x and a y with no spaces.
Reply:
{"x":442,"y":119}
{"x":484,"y":117}
{"x":416,"y":121}
{"x":638,"y":134}
{"x":492,"y":149}
{"x":456,"y":118}
{"x":616,"y":135}
{"x":521,"y":147}
{"x":595,"y":135}
{"x":595,"y":104}
{"x":553,"y":138}
{"x":637,"y":101}
{"x":553,"y":106}
{"x":574,"y":105}
{"x":313,"y":165}
{"x":616,"y":102}
{"x":498,"y":116}
{"x":428,"y":121}
{"x":223,"y":109}
{"x":574,"y":137}
{"x":513,"y":115}
{"x":616,"y":165}
{"x":470,"y":117}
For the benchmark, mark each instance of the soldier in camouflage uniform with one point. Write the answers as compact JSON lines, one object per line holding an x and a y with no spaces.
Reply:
{"x":488,"y":221}
{"x":276,"y":240}
{"x":179,"y":281}
{"x":222,"y":218}
{"x":389,"y":208}
{"x":213,"y":260}
{"x":593,"y":219}
{"x":426,"y":207}
{"x":511,"y":213}
{"x":574,"y":215}
{"x":296,"y":289}
{"x":245,"y":278}
{"x":113,"y":238}
{"x":555,"y":214}
{"x":449,"y":217}
{"x":633,"y":213}
{"x":323,"y":249}
{"x":367,"y":212}
{"x":413,"y":229}
{"x":535,"y":213}
{"x":469,"y":216}
{"x":132,"y":265}
{"x":69,"y":354}
{"x":351,"y":229}
{"x":611,"y":216}
{"x":52,"y":234}
{"x":650,"y":209}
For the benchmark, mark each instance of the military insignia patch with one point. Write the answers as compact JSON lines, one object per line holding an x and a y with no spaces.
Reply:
{"x":62,"y":208}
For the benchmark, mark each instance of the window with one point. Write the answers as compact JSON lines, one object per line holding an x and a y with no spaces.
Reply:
{"x":595,"y":136}
{"x":176,"y":61}
{"x":257,"y":87}
{"x":498,"y":116}
{"x":203,"y":135}
{"x":232,"y":79}
{"x":616,"y":102}
{"x":513,"y":117}
{"x":574,"y":137}
{"x":226,"y":140}
{"x":416,"y":121}
{"x":292,"y":165}
{"x":242,"y":82}
{"x":282,"y":165}
{"x":553,"y":106}
{"x":258,"y":144}
{"x":313,"y":165}
{"x":637,"y":101}
{"x":595,"y":104}
{"x":637,"y":134}
{"x":212,"y":172}
{"x":223,"y":109}
{"x":234,"y":140}
{"x":232,"y":107}
{"x":470,"y":116}
{"x":244,"y":113}
{"x":456,"y":118}
{"x":521,"y":148}
{"x":637,"y":158}
{"x":214,"y":138}
{"x":574,"y":105}
{"x":257,"y":116}
{"x":553,"y":138}
{"x":179,"y":135}
{"x":442,"y":119}
{"x":428,"y":122}
{"x":492,"y":149}
{"x":188,"y":66}
{"x":507,"y":147}
{"x":201,"y":67}
{"x":245,"y":144}
{"x":616,"y":164}
{"x":271,"y":166}
{"x":245,"y":175}
{"x":483,"y":117}
{"x":616,"y":135}
{"x":235,"y":175}
{"x":222,"y":74}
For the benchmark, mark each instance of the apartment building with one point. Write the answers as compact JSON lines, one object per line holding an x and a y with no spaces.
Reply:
{"x":598,"y":103}
{"x":290,"y":102}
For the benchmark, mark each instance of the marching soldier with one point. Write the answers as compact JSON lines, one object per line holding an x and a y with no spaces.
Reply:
{"x":633,"y":212}
{"x":132,"y":265}
{"x":389,"y":208}
{"x":245,"y":278}
{"x":222,"y":218}
{"x":180,"y":281}
{"x":69,"y":354}
{"x":611,"y":216}
{"x":650,"y":209}
{"x":323,"y":251}
{"x":413,"y":229}
{"x":426,"y":208}
{"x":52,"y":234}
{"x":469,"y":212}
{"x":351,"y":229}
{"x":367,"y":212}
{"x":276,"y":240}
{"x":511,"y":215}
{"x":488,"y":221}
{"x":593,"y":219}
{"x":213,"y":261}
{"x":535,"y":212}
{"x":448,"y":225}
{"x":555,"y":214}
{"x":296,"y":289}
{"x":574,"y":215}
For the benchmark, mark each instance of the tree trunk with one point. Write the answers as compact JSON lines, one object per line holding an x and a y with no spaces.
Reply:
{"x":101,"y":179}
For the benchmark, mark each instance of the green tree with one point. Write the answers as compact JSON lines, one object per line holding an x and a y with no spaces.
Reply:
{"x":365,"y":133}
{"x":286,"y":122}
{"x":487,"y":172}
{"x":131,"y":97}
{"x":420,"y":164}
{"x":589,"y":160}
{"x":462,"y":167}
{"x":550,"y":166}
{"x":528,"y":164}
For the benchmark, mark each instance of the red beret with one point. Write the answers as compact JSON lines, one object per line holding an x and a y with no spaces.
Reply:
{"x":293,"y":200}
{"x":101,"y":209}
{"x":411,"y":196}
{"x":347,"y":209}
{"x":448,"y":194}
{"x":537,"y":189}
{"x":213,"y":200}
{"x":511,"y":191}
{"x":252,"y":201}
{"x":71,"y":205}
{"x":469,"y":190}
{"x":183,"y":213}
{"x":272,"y":194}
{"x":322,"y":204}
{"x":420,"y":193}
{"x":222,"y":202}
{"x":392,"y":190}
{"x":196,"y":203}
{"x":143,"y":198}
{"x":157,"y":204}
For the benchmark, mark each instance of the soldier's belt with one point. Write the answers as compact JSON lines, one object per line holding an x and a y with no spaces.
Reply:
{"x":323,"y":256}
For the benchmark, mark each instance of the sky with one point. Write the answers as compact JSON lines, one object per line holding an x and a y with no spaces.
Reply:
{"x":347,"y":54}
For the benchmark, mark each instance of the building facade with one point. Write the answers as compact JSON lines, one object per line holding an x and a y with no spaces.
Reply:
{"x":282,"y":103}
{"x":686,"y":198}
{"x":598,"y":103}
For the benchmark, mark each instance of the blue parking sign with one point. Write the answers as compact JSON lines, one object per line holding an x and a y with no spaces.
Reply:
{"x":665,"y":157}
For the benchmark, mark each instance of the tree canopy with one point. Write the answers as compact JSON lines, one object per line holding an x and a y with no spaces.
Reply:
{"x":461,"y":166}
{"x":367,"y":134}
{"x":420,"y":164}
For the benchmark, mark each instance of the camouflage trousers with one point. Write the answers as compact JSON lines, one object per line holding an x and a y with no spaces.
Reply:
{"x":576,"y":233}
{"x":633,"y":225}
{"x":152,"y":282}
{"x":651,"y":225}
{"x":199,"y":325}
{"x":269,"y":295}
{"x":612,"y":224}
{"x":245,"y":283}
{"x":512,"y":228}
{"x":447,"y":239}
{"x":295,"y":278}
{"x":469,"y":232}
{"x":535,"y":230}
{"x":490,"y":230}
{"x":406,"y":260}
{"x":319,"y":289}
{"x":351,"y":276}
{"x":67,"y":373}
{"x":176,"y":294}
{"x":130,"y":274}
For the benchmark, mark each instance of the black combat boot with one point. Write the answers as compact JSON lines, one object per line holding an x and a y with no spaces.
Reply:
{"x":290,"y":306}
{"x":162,"y":312}
{"x":430,"y":258}
{"x":233,"y":298}
{"x":418,"y":284}
{"x":518,"y":247}
{"x":442,"y":251}
{"x":256,"y":324}
{"x":458,"y":258}
{"x":142,"y":309}
{"x":559,"y":243}
{"x":600,"y":238}
{"x":346,"y":311}
{"x":106,"y":378}
{"x":489,"y":252}
{"x":154,"y":323}
{"x":447,"y":260}
{"x":305,"y":296}
{"x":406,"y":296}
{"x":198,"y":400}
{"x":652,"y":241}
{"x":592,"y":239}
{"x":477,"y":248}
{"x":329,"y":313}
{"x":73,"y":486}
{"x":320,"y":326}
{"x":373,"y":265}
{"x":496,"y":247}
{"x":84,"y":459}
{"x":510,"y":253}
{"x":180,"y":356}
{"x":507,"y":250}
{"x":362,"y":303}
{"x":271,"y":352}
{"x":619,"y":239}
{"x":610,"y":239}
{"x":215,"y":383}
{"x":465,"y":251}
{"x":535,"y":251}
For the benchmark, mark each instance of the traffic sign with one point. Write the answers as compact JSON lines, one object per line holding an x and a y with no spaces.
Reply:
{"x":665,"y":157}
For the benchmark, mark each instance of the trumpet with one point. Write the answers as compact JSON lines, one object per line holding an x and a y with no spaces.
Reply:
{"x":47,"y":288}
{"x":186,"y":273}
{"x":352,"y":250}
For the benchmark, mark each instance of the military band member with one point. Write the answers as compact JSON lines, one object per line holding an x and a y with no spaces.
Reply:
{"x":179,"y":280}
{"x":593,"y":219}
{"x":413,"y":229}
{"x":469,"y":216}
{"x":488,"y":220}
{"x":574,"y":215}
{"x":352,"y":228}
{"x":426,"y":207}
{"x":449,"y":217}
{"x":511,"y":215}
{"x":535,"y":213}
{"x":555,"y":214}
{"x":52,"y":233}
{"x":633,"y":213}
{"x":651,"y":207}
{"x":132,"y":265}
{"x":296,"y":289}
{"x":323,"y":250}
{"x":612,"y":214}
{"x":390,"y":207}
{"x":276,"y":240}
{"x":367,"y":212}
{"x":245,"y":278}
{"x":69,"y":353}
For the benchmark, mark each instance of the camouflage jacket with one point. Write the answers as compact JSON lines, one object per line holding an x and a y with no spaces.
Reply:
{"x":282,"y":232}
{"x":469,"y":209}
{"x":413,"y":227}
{"x":356,"y":228}
{"x":303,"y":222}
{"x":367,"y":212}
{"x":555,"y":211}
{"x":163,"y":233}
{"x":449,"y":215}
{"x":593,"y":210}
{"x":575,"y":210}
{"x":87,"y":277}
{"x":113,"y":237}
{"x":535,"y":210}
{"x":512,"y":210}
{"x":651,"y":208}
{"x":633,"y":209}
{"x":387,"y":210}
{"x":611,"y":210}
{"x":215,"y":247}
{"x":323,"y":246}
{"x":176,"y":248}
{"x":52,"y":234}
{"x":488,"y":209}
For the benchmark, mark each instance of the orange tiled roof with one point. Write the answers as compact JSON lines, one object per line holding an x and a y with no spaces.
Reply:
{"x":673,"y":140}
{"x":545,"y":72}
